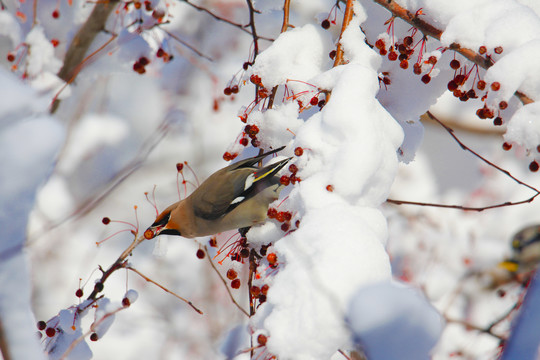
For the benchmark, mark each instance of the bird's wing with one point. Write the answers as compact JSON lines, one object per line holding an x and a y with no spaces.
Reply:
{"x":231,"y":188}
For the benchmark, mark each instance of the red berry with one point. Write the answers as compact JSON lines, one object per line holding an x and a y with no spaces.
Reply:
{"x":330,"y":188}
{"x":503,"y":105}
{"x":50,"y":332}
{"x":325,"y":24}
{"x":298,"y":151}
{"x":404,"y":64}
{"x":481,"y":85}
{"x":287,"y":215}
{"x":148,"y":234}
{"x":244,"y":253}
{"x":271,"y":213}
{"x":497,"y":121}
{"x":280,"y":216}
{"x":408,"y":40}
{"x":284,"y":180}
{"x":235,"y":89}
{"x":417,"y":69}
{"x":244,"y":141}
{"x":432,"y":60}
{"x":392,"y":56}
{"x":533,"y":166}
{"x":10,"y":57}
{"x":79,"y":293}
{"x":506,"y":146}
{"x":482,"y":50}
{"x":213,"y":241}
{"x":56,"y":14}
{"x":262,"y":299}
{"x":144,"y":60}
{"x":272,"y":258}
{"x":285,"y":227}
{"x":314,"y":101}
{"x":255,"y":79}
{"x":498,"y":49}
{"x":200,"y":254}
{"x":126,"y":302}
{"x":227,"y":91}
{"x":386,"y":80}
{"x":293,"y":168}
{"x":383,"y":52}
{"x":55,"y":42}
{"x":460,"y":79}
{"x":148,"y":5}
{"x":255,"y":291}
{"x":235,"y":284}
{"x":261,"y":339}
{"x":495,"y":86}
{"x":41,"y":325}
{"x":471,"y":94}
{"x":105,"y":220}
{"x":454,"y":64}
{"x":232,"y":274}
{"x":264,"y":289}
{"x":426,"y":78}
{"x":321,"y":103}
{"x":379,"y":44}
{"x":332,"y":54}
{"x":94,"y":337}
{"x":452,"y":85}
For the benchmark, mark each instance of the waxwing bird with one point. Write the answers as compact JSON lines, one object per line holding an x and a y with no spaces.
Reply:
{"x":234,"y":197}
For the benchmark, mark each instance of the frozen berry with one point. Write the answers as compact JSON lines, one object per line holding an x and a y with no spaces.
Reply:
{"x":106,"y":221}
{"x":79,"y":293}
{"x":325,"y":24}
{"x":41,"y":325}
{"x":498,"y":50}
{"x":533,"y":166}
{"x":482,"y":50}
{"x":495,"y":86}
{"x":332,"y":54}
{"x":392,"y":56}
{"x":126,"y":302}
{"x":234,"y":89}
{"x":298,"y":151}
{"x":314,"y":101}
{"x":261,"y":339}
{"x":94,"y":337}
{"x":235,"y":284}
{"x":497,"y":121}
{"x":227,"y":91}
{"x":407,"y":40}
{"x":284,"y":180}
{"x":56,"y":14}
{"x":481,"y":85}
{"x":503,"y":105}
{"x":452,"y":85}
{"x":379,"y":44}
{"x":506,"y":146}
{"x":200,"y":254}
{"x":232,"y":274}
{"x":426,"y":78}
{"x":454,"y":64}
{"x":404,"y":64}
{"x":329,"y":188}
{"x":50,"y":332}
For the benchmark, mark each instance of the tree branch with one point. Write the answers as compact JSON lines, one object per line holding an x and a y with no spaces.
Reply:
{"x":430,"y":30}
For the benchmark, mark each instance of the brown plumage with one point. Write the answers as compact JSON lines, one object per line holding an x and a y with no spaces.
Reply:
{"x":234,"y":197}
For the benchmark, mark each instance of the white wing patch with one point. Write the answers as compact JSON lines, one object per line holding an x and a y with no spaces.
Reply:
{"x":249,"y":181}
{"x":237,"y":200}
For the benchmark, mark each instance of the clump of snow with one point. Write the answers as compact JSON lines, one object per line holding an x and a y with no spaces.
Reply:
{"x":393,"y":321}
{"x":41,"y":57}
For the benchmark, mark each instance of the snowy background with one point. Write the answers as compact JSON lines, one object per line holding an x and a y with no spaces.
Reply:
{"x":342,"y":273}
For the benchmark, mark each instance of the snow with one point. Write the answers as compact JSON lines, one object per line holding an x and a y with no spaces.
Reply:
{"x":393,"y":321}
{"x":118,"y":134}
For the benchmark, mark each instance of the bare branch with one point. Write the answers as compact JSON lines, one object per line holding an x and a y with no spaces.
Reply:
{"x":460,"y":207}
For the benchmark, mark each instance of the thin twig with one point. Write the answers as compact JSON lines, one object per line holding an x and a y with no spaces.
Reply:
{"x":219,"y":18}
{"x":118,"y":264}
{"x":186,"y":44}
{"x":251,"y":24}
{"x":474,"y":327}
{"x":461,"y":207}
{"x":430,"y":30}
{"x":225,"y":283}
{"x":164,"y":288}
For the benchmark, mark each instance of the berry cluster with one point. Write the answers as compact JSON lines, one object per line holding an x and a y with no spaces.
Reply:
{"x":139,"y":65}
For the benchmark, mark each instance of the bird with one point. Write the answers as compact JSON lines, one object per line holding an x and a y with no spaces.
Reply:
{"x":235,"y":197}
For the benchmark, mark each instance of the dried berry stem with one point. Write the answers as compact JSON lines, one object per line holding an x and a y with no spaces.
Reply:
{"x":164,"y":288}
{"x":430,"y":30}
